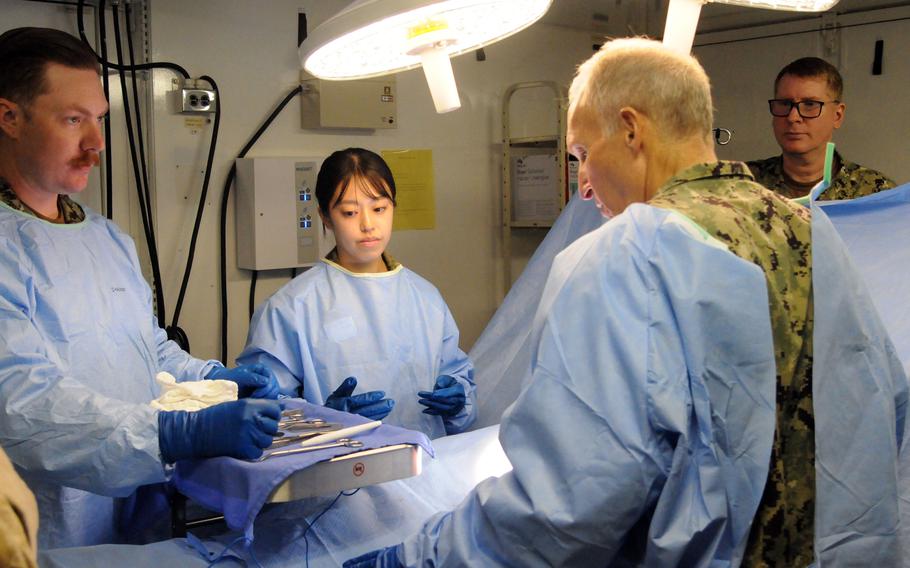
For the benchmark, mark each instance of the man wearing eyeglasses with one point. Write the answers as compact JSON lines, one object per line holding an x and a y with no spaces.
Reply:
{"x":807,"y":108}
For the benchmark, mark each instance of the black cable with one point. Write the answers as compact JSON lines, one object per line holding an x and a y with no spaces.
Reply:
{"x":178,"y":336}
{"x":201,"y":207}
{"x":144,"y":204}
{"x":253,"y":292}
{"x":120,"y":67}
{"x":137,"y":107}
{"x":106,"y":84}
{"x":144,"y":180}
{"x":174,"y":333}
{"x":80,"y":22}
{"x":309,"y":525}
{"x":224,"y":204}
{"x":62,"y":2}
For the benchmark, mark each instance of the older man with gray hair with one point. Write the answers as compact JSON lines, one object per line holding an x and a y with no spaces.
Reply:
{"x":668,"y":420}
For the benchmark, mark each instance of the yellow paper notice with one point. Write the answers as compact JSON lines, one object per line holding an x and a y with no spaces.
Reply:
{"x":413,"y":172}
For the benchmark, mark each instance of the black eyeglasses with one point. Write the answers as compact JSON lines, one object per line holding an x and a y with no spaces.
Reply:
{"x":806,"y":109}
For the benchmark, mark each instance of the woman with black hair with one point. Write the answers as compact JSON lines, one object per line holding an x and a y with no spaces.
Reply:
{"x":361,"y":318}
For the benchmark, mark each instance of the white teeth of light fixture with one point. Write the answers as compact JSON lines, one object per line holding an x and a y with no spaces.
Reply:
{"x":682,"y":16}
{"x":791,"y":5}
{"x":378,"y":37}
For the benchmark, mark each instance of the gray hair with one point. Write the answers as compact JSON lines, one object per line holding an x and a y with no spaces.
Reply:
{"x":671,"y":89}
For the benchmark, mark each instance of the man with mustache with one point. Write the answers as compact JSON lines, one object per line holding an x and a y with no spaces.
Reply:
{"x":79,"y":344}
{"x":806,"y":110}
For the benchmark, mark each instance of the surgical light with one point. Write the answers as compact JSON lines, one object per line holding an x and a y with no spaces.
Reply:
{"x":682,"y":16}
{"x":378,"y":37}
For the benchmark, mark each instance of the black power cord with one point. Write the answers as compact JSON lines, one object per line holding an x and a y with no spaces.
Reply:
{"x":106,"y":84}
{"x":174,"y":332}
{"x":174,"y":328}
{"x":253,"y":280}
{"x":120,"y":67}
{"x":224,"y":204}
{"x":138,"y":113}
{"x":144,"y":200}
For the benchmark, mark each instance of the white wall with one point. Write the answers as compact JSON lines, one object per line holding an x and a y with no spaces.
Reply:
{"x":877,"y":120}
{"x":249,"y":47}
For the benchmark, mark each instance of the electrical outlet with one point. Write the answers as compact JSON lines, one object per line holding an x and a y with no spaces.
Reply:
{"x":197,"y":101}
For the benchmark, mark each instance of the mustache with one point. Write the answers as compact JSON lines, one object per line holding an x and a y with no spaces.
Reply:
{"x":90,"y":159}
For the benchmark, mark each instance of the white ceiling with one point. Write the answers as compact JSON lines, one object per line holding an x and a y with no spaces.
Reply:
{"x":625,"y":17}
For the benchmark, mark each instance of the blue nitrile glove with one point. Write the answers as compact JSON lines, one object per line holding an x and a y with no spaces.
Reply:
{"x":382,"y":558}
{"x":239,"y":429}
{"x":371,"y":404}
{"x":253,"y":381}
{"x":447,"y":398}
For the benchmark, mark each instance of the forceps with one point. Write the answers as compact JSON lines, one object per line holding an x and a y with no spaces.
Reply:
{"x":297,"y":415}
{"x":345,"y":442}
{"x":299,"y":423}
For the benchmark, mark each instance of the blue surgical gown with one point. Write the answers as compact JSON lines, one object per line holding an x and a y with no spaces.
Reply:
{"x":79,"y":350}
{"x":391,"y":330}
{"x":502,"y":353}
{"x":644,"y":434}
{"x":860,"y":394}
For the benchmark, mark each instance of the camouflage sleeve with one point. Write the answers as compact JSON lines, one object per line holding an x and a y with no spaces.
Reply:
{"x":857,"y":181}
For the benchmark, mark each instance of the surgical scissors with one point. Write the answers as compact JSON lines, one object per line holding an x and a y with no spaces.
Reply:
{"x":343,"y":442}
{"x":279,"y":441}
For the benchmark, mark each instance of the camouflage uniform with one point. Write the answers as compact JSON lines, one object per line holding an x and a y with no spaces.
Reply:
{"x":851,"y":180}
{"x":70,"y":211}
{"x":18,"y":517}
{"x":775,"y":234}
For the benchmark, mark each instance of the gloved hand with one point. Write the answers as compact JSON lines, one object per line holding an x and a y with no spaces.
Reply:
{"x":447,"y":398}
{"x":382,"y":558}
{"x":253,"y":381}
{"x":240,"y":429}
{"x":371,"y":404}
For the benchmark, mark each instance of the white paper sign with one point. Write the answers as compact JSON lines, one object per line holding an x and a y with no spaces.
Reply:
{"x":535,"y":196}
